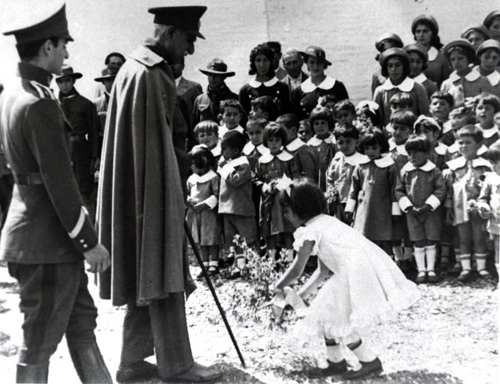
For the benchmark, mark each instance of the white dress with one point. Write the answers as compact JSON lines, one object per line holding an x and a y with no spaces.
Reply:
{"x":366,"y":288}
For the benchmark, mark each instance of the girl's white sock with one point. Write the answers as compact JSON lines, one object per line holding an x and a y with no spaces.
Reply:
{"x":420,"y":258}
{"x":466,"y":264}
{"x":398,"y":252}
{"x":430,"y":253}
{"x":480,"y":260}
{"x":407,"y":253}
{"x":364,"y":353}
{"x":334,"y":353}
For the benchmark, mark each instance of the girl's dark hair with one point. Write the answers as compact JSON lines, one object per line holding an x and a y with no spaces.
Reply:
{"x":322,"y":113}
{"x":471,"y":131}
{"x":202,"y":157}
{"x":406,"y":66}
{"x":488,"y":99}
{"x":345,"y":105}
{"x":493,"y":153}
{"x":418,"y":143}
{"x":233,"y":139}
{"x":305,"y":199}
{"x":274,"y":130}
{"x":469,"y":53}
{"x":443,"y":95}
{"x":426,"y":122}
{"x":267,"y":104}
{"x":114,"y":54}
{"x":375,"y":116}
{"x":435,"y":40}
{"x":289,"y":120}
{"x":401,"y":99}
{"x":262,"y":49}
{"x":373,"y":136}
{"x":233,"y":104}
{"x":347,"y":131}
{"x":407,"y":118}
{"x":206,"y":126}
{"x":260,"y":122}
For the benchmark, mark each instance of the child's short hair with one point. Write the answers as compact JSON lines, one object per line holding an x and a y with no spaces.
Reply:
{"x":460,"y":117}
{"x":231,"y":103}
{"x":261,"y":49}
{"x":266,"y":104}
{"x":206,"y":126}
{"x":233,"y":139}
{"x":346,"y":131}
{"x":274,"y":130}
{"x":322,"y":113}
{"x":202,"y":157}
{"x":418,"y":143}
{"x":256,"y":122}
{"x":426,"y":122}
{"x":443,"y":95}
{"x":394,"y":52}
{"x":324,"y":100}
{"x":304,"y":198}
{"x":371,"y":110}
{"x":345,"y":105}
{"x":407,"y":118}
{"x":288,"y":120}
{"x":402,"y":100}
{"x":493,"y":153}
{"x":373,"y":136}
{"x":471,"y":131}
{"x":488,"y":99}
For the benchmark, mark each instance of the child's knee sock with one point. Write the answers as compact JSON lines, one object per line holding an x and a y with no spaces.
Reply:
{"x":289,"y":255}
{"x":464,"y":261}
{"x":334,"y":351}
{"x":363,"y":352}
{"x":398,"y":252}
{"x":240,"y":261}
{"x":407,"y":253}
{"x":430,"y":254}
{"x":480,"y":261}
{"x":420,"y":258}
{"x":272,"y":254}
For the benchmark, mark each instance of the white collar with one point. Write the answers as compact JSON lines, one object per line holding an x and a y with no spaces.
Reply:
{"x":354,"y":159}
{"x":307,"y":86}
{"x":432,"y":53}
{"x":216,"y":151}
{"x":493,"y":78}
{"x":441,"y":148}
{"x":239,"y":129}
{"x":315,"y":141}
{"x":493,"y":178}
{"x":487,"y":133}
{"x":427,"y":167}
{"x":405,"y":86}
{"x":447,"y":127}
{"x":177,"y":81}
{"x":471,"y":76}
{"x":400,"y":149}
{"x":384,"y":162}
{"x":420,"y":78}
{"x":296,"y":144}
{"x":249,"y":148}
{"x":256,"y":84}
{"x":283,"y":156}
{"x":196,"y":179}
{"x":460,"y":162}
{"x":238,"y":161}
{"x":454,"y":148}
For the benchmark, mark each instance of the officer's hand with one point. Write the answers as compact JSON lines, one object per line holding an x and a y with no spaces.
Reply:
{"x":97,"y":259}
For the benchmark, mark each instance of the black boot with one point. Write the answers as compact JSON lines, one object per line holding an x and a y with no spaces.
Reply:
{"x":32,"y":373}
{"x":89,"y":364}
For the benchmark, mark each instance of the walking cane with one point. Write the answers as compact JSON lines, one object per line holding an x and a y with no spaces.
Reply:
{"x":212,"y":289}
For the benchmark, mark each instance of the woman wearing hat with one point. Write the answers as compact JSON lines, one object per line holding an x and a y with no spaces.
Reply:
{"x":488,"y":55}
{"x":395,"y":64}
{"x":418,"y":64}
{"x":264,"y":82}
{"x":318,"y":84}
{"x":492,"y":23}
{"x":384,"y":42}
{"x":425,"y":31}
{"x":463,"y":82}
{"x":475,"y":34}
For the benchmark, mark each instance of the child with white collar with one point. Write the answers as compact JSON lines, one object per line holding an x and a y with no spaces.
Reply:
{"x":323,"y":142}
{"x":202,"y":200}
{"x":235,"y":199}
{"x":339,"y":173}
{"x":459,"y":118}
{"x":272,"y":166}
{"x":488,"y":54}
{"x":441,"y":106}
{"x":463,"y":81}
{"x":431,"y":129}
{"x":371,"y":194}
{"x":420,"y":192}
{"x":485,"y":107}
{"x":207,"y":133}
{"x":464,"y":181}
{"x":303,"y":154}
{"x":231,"y":113}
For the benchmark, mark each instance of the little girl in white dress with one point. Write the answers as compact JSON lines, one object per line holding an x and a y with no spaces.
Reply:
{"x":366,"y":287}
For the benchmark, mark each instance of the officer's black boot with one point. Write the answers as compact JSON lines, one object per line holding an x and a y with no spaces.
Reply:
{"x":89,"y":364}
{"x":32,"y":373}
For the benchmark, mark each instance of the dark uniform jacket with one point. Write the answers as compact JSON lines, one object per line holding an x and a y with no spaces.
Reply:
{"x":206,"y":105}
{"x":188,"y":91}
{"x":46,"y":221}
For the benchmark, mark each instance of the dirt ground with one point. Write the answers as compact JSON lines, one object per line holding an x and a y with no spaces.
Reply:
{"x":449,"y":336}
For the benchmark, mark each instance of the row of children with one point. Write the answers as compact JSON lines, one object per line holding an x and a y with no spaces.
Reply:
{"x":365,"y":196}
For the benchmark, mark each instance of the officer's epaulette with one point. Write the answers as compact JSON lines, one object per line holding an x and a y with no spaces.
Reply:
{"x":43,"y":91}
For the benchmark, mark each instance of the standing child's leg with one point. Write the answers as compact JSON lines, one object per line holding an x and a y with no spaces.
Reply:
{"x":288,"y":240}
{"x":430,"y":255}
{"x":479,"y":240}
{"x":213,"y":263}
{"x":337,"y":365}
{"x":271,"y":247}
{"x":496,"y":242}
{"x":464,"y":256}
{"x":420,"y":260}
{"x":205,"y":257}
{"x":370,"y":364}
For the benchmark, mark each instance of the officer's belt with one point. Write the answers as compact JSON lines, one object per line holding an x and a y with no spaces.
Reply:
{"x":32,"y":178}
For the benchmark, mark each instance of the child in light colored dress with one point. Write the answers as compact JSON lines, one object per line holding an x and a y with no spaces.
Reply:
{"x":366,"y":288}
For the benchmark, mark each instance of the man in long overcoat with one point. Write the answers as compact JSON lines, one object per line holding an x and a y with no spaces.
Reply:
{"x":141,"y":205}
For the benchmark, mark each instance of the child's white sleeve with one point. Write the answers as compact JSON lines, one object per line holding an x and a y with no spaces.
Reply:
{"x":306,"y":234}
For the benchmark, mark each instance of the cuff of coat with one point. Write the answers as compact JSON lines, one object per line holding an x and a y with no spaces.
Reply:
{"x":395,"y":209}
{"x":350,"y":206}
{"x":83,"y":234}
{"x":211,"y":202}
{"x":405,"y":203}
{"x":433,"y":201}
{"x":226,"y":170}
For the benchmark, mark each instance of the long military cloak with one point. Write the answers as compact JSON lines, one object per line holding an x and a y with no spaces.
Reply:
{"x":140,"y":202}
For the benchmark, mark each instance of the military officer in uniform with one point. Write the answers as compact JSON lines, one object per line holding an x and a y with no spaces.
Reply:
{"x":47,"y":235}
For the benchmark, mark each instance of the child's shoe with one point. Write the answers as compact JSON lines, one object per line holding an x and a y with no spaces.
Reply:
{"x":238,"y":267}
{"x":227,"y":261}
{"x":421,"y":277}
{"x":333,"y":369}
{"x":456,"y":269}
{"x":483,"y":273}
{"x":213,"y":271}
{"x":432,"y":277}
{"x":465,"y":275}
{"x":369,"y":368}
